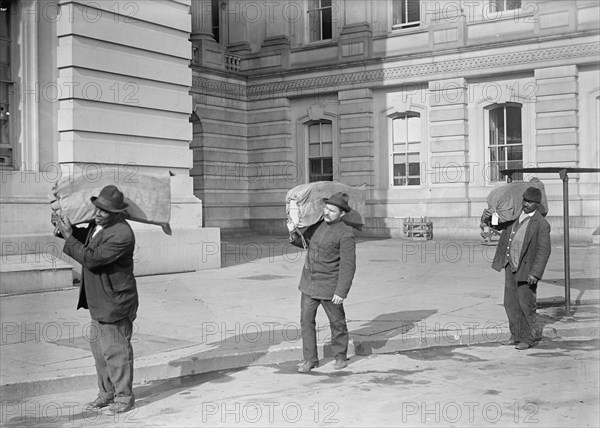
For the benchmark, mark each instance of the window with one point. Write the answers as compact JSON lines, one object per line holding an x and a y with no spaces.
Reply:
{"x":215,"y":17}
{"x":406,"y":149}
{"x":6,"y":147}
{"x":500,"y":5}
{"x":320,"y":151}
{"x":407,"y":13}
{"x":505,"y":145}
{"x":319,"y":18}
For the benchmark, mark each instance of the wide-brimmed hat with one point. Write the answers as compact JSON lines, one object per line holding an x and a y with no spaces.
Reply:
{"x":533,"y":194}
{"x":110,"y":199}
{"x":340,"y":200}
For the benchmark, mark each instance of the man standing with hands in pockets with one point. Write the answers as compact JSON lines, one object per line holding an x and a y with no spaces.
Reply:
{"x":326,"y":279}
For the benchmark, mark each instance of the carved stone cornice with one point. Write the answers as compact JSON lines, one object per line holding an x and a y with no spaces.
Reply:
{"x":377,"y":77}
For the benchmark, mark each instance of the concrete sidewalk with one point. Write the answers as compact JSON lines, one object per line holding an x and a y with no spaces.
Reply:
{"x":406,"y":295}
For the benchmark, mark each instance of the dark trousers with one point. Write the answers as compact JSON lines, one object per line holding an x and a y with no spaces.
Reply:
{"x":113,"y":355}
{"x":520,"y":306}
{"x":337,"y":322}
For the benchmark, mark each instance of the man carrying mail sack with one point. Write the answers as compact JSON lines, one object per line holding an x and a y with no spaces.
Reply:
{"x":326,"y":279}
{"x":108,"y":289}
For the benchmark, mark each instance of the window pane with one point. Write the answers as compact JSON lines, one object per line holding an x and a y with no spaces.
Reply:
{"x":327,"y":166}
{"x":513,"y":128}
{"x":326,"y":131}
{"x":501,"y":154}
{"x":497,"y":5}
{"x":399,"y":130}
{"x":414,"y":169}
{"x":414,"y":181}
{"x":314,"y":150}
{"x":515,"y":153}
{"x":414,"y":147}
{"x":399,"y":148}
{"x":414,"y":128}
{"x":215,"y":19}
{"x":326,"y":19}
{"x":400,"y":170}
{"x":413,"y":10}
{"x":314,"y":134}
{"x":400,"y":181}
{"x":326,"y":149}
{"x":497,"y":126}
{"x":513,"y":4}
{"x":315,"y":25}
{"x":399,"y":159}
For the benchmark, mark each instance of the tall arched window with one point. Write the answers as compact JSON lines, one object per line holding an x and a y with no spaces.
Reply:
{"x":320,"y":151}
{"x":504,"y":140}
{"x":406,"y":149}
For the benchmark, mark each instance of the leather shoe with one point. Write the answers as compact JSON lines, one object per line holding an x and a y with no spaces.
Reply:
{"x":511,"y":342}
{"x":307,"y":366}
{"x":522,"y":346}
{"x":117,"y":407}
{"x":339,"y":364}
{"x":98,"y":403}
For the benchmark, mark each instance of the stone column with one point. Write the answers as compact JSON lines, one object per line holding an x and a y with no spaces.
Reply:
{"x":201,"y":20}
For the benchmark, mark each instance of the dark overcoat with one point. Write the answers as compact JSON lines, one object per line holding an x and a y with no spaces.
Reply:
{"x":108,"y":287}
{"x":330,"y":261}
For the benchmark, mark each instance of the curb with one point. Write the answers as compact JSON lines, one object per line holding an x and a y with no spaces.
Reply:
{"x":194,"y":365}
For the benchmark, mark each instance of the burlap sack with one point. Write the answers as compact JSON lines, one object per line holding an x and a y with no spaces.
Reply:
{"x":506,"y":200}
{"x":304,"y":203}
{"x":148,"y":196}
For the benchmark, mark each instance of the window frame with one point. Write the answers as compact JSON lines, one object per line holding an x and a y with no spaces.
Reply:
{"x":505,"y":3}
{"x":392,"y":141}
{"x":407,"y":6}
{"x":307,"y":126}
{"x":320,"y":9}
{"x":490,"y":176}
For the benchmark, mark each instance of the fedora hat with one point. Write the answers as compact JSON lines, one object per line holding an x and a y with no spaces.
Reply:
{"x":340,"y":200}
{"x":533,"y":194}
{"x":110,"y":199}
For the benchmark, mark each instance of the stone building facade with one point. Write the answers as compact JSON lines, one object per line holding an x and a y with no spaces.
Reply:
{"x":424,"y":102}
{"x":95,"y":87}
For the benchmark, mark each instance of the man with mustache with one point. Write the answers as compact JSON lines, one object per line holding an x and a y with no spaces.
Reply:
{"x":523,"y":251}
{"x":326,"y":279}
{"x":108,"y":289}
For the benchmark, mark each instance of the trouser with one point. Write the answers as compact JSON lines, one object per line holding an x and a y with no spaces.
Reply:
{"x":337,"y":322}
{"x":520,"y":306}
{"x":113,"y":355}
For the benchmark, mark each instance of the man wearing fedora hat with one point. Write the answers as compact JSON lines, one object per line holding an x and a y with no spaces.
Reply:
{"x":108,"y":289}
{"x":523,"y":251}
{"x":326,"y":279}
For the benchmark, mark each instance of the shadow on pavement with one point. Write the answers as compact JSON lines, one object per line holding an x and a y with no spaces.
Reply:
{"x":376,"y":333}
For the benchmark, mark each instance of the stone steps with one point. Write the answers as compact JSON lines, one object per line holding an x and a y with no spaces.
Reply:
{"x":27,"y":273}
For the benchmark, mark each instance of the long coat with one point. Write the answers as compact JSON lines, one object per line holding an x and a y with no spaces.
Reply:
{"x":330,"y":261}
{"x":535,"y":251}
{"x":108,"y":287}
